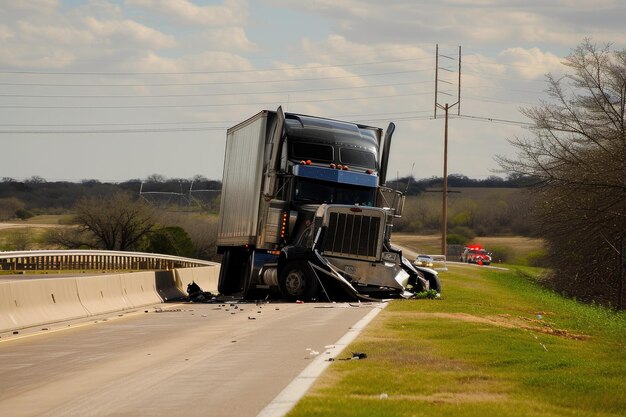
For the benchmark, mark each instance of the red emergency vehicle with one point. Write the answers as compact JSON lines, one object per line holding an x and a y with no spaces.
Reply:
{"x":475,"y":254}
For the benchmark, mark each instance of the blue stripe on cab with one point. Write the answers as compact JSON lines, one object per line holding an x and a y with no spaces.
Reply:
{"x":335,"y":175}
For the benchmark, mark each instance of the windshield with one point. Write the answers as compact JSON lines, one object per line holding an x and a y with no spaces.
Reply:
{"x":332,"y":193}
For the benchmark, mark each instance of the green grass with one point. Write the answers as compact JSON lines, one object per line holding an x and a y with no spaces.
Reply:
{"x":517,"y":248}
{"x":496,"y":345}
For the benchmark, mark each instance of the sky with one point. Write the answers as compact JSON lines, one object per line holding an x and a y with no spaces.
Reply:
{"x":115,"y":90}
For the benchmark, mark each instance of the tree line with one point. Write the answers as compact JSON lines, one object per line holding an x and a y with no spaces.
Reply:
{"x":25,"y":198}
{"x":33,"y":196}
{"x":577,"y":154}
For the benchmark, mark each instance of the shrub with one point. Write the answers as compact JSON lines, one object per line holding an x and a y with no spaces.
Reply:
{"x":464,"y":231}
{"x":23,"y":214}
{"x":456,"y":239}
{"x":501,"y":254}
{"x":535,"y":258}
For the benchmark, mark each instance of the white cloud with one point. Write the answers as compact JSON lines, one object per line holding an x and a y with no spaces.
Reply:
{"x":64,"y":34}
{"x":209,"y":62}
{"x":231,"y":12}
{"x":37,"y":6}
{"x":124,"y":31}
{"x":6,"y":33}
{"x":356,"y":8}
{"x":227,"y":38}
{"x":36,"y":56}
{"x":530,"y":63}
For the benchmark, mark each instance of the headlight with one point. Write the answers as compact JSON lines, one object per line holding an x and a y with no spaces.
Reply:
{"x":390,"y":257}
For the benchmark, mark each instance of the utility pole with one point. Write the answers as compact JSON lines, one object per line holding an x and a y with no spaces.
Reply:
{"x":446,"y":108}
{"x":620,"y":275}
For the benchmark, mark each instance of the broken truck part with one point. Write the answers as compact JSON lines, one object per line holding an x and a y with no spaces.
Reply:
{"x":305,"y":212}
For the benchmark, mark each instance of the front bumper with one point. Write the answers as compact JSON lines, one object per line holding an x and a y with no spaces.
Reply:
{"x":375,"y":274}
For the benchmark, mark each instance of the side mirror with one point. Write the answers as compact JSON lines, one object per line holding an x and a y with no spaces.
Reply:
{"x":392,"y":199}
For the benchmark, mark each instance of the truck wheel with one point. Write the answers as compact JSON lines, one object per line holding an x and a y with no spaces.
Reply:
{"x":297,"y":281}
{"x":434,"y":283}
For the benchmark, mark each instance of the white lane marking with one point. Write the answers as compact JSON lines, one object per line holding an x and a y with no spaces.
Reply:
{"x":296,"y":389}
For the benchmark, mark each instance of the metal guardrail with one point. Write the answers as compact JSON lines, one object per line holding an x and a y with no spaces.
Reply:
{"x":51,"y":260}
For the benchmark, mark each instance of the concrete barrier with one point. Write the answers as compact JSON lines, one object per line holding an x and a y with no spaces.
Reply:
{"x":32,"y":302}
{"x":139,"y":288}
{"x":8,"y":311}
{"x":102,"y":294}
{"x":206,"y":277}
{"x":167,"y":287}
{"x":41,"y":301}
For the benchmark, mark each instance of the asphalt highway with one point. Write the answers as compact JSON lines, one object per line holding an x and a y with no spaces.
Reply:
{"x":175,"y":360}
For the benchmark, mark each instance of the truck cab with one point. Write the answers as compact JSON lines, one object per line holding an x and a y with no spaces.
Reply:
{"x":315,"y":217}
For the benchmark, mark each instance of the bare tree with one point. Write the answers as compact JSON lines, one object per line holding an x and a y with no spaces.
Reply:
{"x":578,"y":157}
{"x":115,"y":222}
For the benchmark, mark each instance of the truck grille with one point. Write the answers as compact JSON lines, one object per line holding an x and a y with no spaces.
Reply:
{"x":353,"y":235}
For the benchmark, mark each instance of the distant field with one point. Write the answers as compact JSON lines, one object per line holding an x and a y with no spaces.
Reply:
{"x":48,"y":219}
{"x":474,"y":193}
{"x":17,"y":238}
{"x":28,"y":234}
{"x":516,"y":247}
{"x":428,"y":244}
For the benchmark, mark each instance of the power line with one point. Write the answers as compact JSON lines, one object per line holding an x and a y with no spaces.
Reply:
{"x":108,"y":131}
{"x":114,"y":124}
{"x":216,"y":94}
{"x":65,"y":125}
{"x":385,"y":49}
{"x":214,"y":82}
{"x":499,"y":76}
{"x":494,"y":120}
{"x":485,"y":99}
{"x":214,"y":72}
{"x":163,"y":106}
{"x":214,"y":128}
{"x":413,"y":116}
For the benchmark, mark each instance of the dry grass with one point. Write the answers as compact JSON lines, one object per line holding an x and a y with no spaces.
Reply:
{"x":28,"y":234}
{"x":428,"y":244}
{"x":518,"y":247}
{"x":49,"y":219}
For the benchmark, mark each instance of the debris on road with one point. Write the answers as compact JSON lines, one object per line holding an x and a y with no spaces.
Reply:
{"x":197,"y":295}
{"x":355,"y":356}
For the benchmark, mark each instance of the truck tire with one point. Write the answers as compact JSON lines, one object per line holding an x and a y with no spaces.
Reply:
{"x":231,"y":271}
{"x":434,"y":283}
{"x":297,"y":281}
{"x":433,"y":280}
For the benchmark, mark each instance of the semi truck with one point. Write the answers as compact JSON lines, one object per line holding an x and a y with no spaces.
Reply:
{"x":305,"y":212}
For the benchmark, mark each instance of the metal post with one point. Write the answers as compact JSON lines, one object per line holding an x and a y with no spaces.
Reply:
{"x":620,"y":275}
{"x":446,"y":108}
{"x":436,"y":75}
{"x":444,"y":220}
{"x":458,"y":98}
